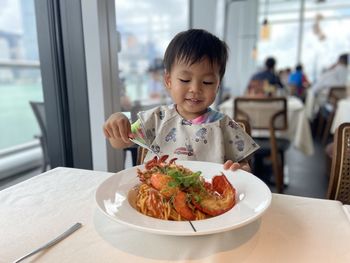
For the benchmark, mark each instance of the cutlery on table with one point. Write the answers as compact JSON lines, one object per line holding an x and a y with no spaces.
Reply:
{"x":52,"y":242}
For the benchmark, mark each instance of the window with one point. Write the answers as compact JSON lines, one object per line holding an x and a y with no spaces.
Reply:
{"x":282,"y":45}
{"x":316,"y":52}
{"x":321,"y":54}
{"x":20,"y":79}
{"x":146,"y":28}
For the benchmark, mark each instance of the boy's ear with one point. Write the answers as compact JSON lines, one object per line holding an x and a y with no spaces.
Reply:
{"x":219,"y":87}
{"x":167,"y":80}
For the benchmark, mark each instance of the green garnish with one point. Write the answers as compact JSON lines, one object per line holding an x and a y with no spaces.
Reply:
{"x":197,"y":198}
{"x":183,"y":180}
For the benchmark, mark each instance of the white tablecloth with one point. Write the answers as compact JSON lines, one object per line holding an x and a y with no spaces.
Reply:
{"x":299,"y":131}
{"x":293,"y":229}
{"x":313,"y":102}
{"x":342,"y":113}
{"x":347,"y":211}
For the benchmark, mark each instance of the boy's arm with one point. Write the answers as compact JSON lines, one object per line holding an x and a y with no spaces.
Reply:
{"x":117,"y":130}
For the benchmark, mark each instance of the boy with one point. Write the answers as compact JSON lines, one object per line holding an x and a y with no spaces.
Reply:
{"x":195,"y":63}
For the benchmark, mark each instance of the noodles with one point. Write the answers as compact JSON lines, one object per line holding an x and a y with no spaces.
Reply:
{"x":173,"y":192}
{"x":150,"y":202}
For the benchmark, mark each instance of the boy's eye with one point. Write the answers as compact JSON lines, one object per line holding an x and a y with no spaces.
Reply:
{"x":184,"y":80}
{"x":208,"y":82}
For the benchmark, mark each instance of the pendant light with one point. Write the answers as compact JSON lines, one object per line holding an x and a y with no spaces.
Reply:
{"x":265,"y":29}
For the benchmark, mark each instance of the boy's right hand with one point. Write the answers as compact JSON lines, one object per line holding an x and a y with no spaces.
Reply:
{"x":117,"y":127}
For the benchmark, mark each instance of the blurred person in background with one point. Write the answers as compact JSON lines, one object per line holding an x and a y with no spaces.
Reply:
{"x":335,"y":76}
{"x":125,"y":101}
{"x":265,"y":82}
{"x":156,"y":86}
{"x":298,"y":82}
{"x":284,"y":76}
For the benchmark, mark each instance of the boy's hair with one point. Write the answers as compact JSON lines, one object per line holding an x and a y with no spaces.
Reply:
{"x":193,"y":45}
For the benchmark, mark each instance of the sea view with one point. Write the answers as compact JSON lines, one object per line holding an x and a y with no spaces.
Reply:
{"x":17,"y":120}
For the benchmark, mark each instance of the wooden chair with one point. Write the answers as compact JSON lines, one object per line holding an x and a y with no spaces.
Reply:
{"x":141,"y":152}
{"x":39,"y":112}
{"x":245,"y":126}
{"x":339,"y":183}
{"x":327,"y":112}
{"x":266,"y":116}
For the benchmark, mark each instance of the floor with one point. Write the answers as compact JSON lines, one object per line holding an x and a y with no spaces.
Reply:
{"x":305,"y":175}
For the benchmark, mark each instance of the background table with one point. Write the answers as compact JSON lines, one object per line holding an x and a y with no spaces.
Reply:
{"x":293,"y":229}
{"x":347,"y":210}
{"x":342,"y":113}
{"x":299,"y":131}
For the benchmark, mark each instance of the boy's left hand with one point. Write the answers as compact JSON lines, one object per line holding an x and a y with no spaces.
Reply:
{"x":230,"y":165}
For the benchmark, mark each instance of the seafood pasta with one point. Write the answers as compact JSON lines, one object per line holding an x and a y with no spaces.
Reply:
{"x":172,"y":192}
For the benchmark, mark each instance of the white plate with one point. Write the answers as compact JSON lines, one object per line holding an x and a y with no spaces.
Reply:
{"x":252,"y":195}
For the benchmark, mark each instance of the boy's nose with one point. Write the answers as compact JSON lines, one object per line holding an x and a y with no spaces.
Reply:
{"x":196,"y":87}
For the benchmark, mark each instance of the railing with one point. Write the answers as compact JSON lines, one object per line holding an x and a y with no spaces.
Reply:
{"x":19,"y":64}
{"x":20,"y":158}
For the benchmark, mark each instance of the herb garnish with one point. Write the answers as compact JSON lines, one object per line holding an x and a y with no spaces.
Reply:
{"x":183,"y":180}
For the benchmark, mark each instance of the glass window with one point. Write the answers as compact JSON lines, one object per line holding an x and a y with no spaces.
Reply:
{"x":323,"y":53}
{"x":20,"y":79}
{"x":146,"y":28}
{"x":282,"y":45}
{"x":325,"y":35}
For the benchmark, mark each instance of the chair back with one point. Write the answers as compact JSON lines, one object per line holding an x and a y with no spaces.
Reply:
{"x":269,"y":114}
{"x":329,"y":109}
{"x":245,"y":125}
{"x":39,"y":112}
{"x":262,"y":113}
{"x":339,"y":184}
{"x":336,"y":93}
{"x":141,"y":155}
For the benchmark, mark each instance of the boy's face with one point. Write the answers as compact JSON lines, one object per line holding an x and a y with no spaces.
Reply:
{"x":193,"y":87}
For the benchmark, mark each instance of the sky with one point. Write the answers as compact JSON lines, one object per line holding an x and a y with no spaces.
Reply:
{"x":10,"y":16}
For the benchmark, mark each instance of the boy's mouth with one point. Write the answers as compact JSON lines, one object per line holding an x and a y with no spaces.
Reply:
{"x":194,"y":100}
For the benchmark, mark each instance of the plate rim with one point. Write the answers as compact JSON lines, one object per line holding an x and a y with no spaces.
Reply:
{"x":184,"y":232}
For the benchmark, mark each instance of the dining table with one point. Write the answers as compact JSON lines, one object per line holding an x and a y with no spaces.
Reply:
{"x":292,"y":229}
{"x":299,"y":130}
{"x":313,"y":102}
{"x":342,"y":113}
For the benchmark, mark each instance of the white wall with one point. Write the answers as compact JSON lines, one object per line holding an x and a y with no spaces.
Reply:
{"x":101,"y":47}
{"x":241,"y":38}
{"x":204,"y":15}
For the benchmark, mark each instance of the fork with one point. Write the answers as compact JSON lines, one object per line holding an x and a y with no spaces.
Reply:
{"x":52,"y":242}
{"x":144,"y":146}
